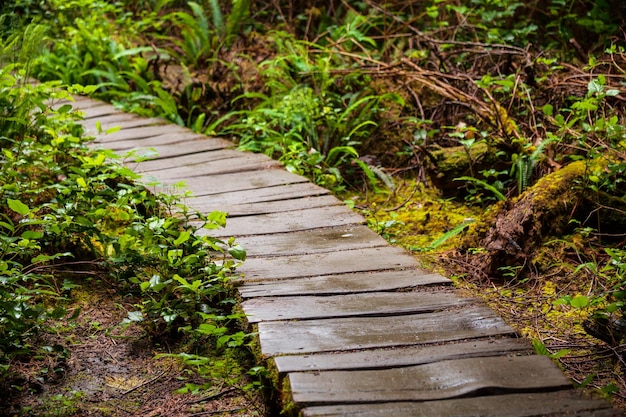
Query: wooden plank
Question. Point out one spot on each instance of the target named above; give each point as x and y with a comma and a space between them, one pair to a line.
263, 194
561, 403
317, 240
112, 120
349, 305
436, 381
248, 209
240, 181
239, 162
104, 109
121, 120
189, 160
77, 102
342, 284
397, 357
341, 334
329, 263
294, 221
142, 132
192, 146
162, 140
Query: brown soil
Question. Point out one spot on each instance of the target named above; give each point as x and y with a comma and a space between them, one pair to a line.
95, 371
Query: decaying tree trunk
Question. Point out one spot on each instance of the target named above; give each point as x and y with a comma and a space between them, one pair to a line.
511, 237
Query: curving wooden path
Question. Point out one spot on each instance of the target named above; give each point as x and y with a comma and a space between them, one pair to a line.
349, 325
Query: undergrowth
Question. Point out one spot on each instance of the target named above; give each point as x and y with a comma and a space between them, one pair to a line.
70, 213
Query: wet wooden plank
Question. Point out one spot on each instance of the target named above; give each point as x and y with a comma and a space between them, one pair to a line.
349, 305
263, 194
240, 181
294, 221
103, 109
162, 140
404, 356
358, 260
342, 284
317, 240
121, 120
116, 119
436, 381
238, 162
342, 334
257, 208
142, 132
561, 403
191, 146
189, 160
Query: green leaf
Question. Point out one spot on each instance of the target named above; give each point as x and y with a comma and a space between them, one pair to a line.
18, 207
580, 301
135, 316
182, 238
540, 348
237, 252
548, 109
31, 234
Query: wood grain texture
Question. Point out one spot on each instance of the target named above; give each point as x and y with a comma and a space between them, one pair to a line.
342, 283
141, 132
324, 335
400, 356
435, 381
349, 305
238, 181
215, 164
295, 221
317, 240
161, 143
262, 194
357, 260
269, 207
562, 403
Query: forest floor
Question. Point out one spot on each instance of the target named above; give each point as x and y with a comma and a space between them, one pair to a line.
99, 371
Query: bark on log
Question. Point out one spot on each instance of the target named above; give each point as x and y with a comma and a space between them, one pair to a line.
519, 226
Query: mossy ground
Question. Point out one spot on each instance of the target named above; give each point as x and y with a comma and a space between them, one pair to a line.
414, 216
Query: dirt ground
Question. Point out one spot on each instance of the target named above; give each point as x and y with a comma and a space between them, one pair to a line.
92, 370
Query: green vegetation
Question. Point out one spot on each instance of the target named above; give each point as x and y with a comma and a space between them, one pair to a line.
74, 218
487, 136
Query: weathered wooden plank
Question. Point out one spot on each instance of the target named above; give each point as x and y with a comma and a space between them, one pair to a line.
162, 140
436, 381
329, 263
103, 109
317, 240
249, 209
349, 305
325, 335
239, 162
189, 160
77, 102
263, 194
403, 356
240, 181
191, 146
142, 132
115, 119
342, 284
133, 124
289, 222
561, 403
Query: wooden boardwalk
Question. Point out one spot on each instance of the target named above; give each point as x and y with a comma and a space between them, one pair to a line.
347, 324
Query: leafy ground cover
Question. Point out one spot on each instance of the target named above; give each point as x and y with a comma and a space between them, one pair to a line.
486, 136
104, 283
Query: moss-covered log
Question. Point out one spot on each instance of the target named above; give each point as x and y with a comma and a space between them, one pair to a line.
510, 237
457, 161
